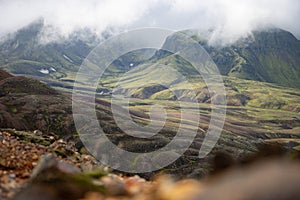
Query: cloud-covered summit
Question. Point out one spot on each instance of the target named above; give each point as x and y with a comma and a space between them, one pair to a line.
230, 19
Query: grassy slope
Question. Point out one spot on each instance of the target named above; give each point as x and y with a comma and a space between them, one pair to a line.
270, 56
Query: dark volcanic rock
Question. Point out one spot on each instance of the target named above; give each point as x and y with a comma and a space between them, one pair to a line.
27, 104
19, 84
4, 75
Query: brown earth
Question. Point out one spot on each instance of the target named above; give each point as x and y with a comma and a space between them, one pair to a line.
27, 104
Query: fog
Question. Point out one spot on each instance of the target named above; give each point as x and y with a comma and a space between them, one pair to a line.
230, 19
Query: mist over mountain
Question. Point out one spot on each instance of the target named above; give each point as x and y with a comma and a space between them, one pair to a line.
268, 56
24, 53
231, 20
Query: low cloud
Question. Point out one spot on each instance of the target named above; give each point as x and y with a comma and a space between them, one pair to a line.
230, 19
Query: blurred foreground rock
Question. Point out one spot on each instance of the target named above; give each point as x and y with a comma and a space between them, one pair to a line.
271, 179
21, 151
34, 166
55, 179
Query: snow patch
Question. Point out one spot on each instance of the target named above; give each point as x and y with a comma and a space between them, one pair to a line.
67, 58
44, 71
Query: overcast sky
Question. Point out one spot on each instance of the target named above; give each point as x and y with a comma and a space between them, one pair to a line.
231, 19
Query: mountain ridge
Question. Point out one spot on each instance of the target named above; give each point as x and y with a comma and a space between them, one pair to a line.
270, 56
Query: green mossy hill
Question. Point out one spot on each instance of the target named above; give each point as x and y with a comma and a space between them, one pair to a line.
26, 52
271, 56
268, 56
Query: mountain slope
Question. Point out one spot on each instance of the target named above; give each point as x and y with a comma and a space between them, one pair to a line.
23, 53
27, 104
269, 56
